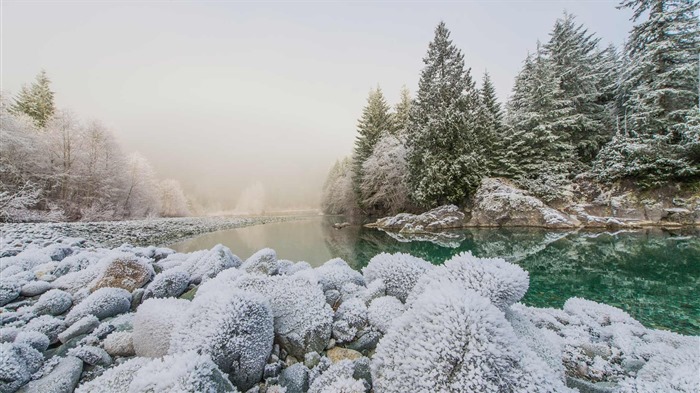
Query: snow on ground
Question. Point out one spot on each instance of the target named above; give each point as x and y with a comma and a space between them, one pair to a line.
77, 315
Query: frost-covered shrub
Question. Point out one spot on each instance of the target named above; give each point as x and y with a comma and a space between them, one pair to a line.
335, 273
669, 371
34, 339
400, 272
170, 283
302, 317
116, 379
183, 372
19, 362
383, 310
208, 264
501, 282
262, 262
103, 303
454, 340
154, 322
350, 317
47, 325
53, 302
234, 327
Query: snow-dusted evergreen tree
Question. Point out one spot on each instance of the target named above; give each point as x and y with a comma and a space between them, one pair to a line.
385, 186
443, 163
402, 111
581, 69
376, 121
36, 101
659, 96
491, 121
537, 155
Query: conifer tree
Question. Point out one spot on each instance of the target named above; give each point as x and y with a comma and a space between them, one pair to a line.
443, 163
401, 111
36, 101
376, 121
491, 121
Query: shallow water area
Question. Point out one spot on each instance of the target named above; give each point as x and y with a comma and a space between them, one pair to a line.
652, 274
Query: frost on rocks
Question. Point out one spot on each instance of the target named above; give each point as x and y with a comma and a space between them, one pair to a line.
53, 302
26, 260
75, 281
154, 322
350, 317
234, 327
225, 279
541, 341
103, 303
84, 325
47, 325
116, 379
34, 339
183, 372
93, 356
383, 310
77, 262
9, 290
302, 317
62, 379
335, 273
262, 262
35, 288
19, 362
170, 283
294, 268
123, 270
338, 378
399, 272
454, 340
501, 282
669, 371
119, 344
207, 264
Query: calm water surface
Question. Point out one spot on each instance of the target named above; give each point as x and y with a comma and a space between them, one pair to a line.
652, 274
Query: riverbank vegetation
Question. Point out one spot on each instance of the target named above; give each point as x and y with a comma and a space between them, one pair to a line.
578, 112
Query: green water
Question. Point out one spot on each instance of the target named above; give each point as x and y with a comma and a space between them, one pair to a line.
652, 274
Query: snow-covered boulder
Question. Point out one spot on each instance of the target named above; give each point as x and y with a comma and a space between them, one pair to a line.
440, 218
183, 372
9, 290
77, 262
501, 282
123, 270
340, 377
119, 344
48, 325
91, 355
34, 339
262, 262
207, 264
53, 302
103, 303
302, 318
335, 273
399, 272
350, 317
34, 288
234, 327
382, 311
454, 340
25, 260
19, 362
116, 379
669, 371
84, 325
154, 322
499, 203
62, 379
170, 283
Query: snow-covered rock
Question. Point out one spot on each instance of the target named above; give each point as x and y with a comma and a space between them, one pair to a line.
669, 371
499, 203
103, 303
183, 372
234, 327
53, 302
91, 355
339, 378
501, 282
207, 264
9, 290
116, 379
350, 317
34, 339
19, 362
333, 274
262, 262
119, 344
123, 270
382, 311
154, 322
84, 325
454, 340
34, 288
440, 218
48, 325
62, 379
399, 272
170, 283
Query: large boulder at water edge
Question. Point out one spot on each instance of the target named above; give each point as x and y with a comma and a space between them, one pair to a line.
440, 218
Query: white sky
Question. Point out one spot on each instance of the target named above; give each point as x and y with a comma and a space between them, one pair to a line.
221, 94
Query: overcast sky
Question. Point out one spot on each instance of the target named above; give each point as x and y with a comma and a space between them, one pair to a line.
222, 94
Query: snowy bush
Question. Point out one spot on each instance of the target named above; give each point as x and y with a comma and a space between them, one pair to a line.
170, 283
208, 264
234, 327
335, 273
154, 322
455, 340
302, 318
501, 282
103, 303
399, 272
382, 311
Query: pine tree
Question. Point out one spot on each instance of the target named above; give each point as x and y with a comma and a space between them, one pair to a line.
491, 122
401, 111
443, 163
581, 69
36, 101
375, 122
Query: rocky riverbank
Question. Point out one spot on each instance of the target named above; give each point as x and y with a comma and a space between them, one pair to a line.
148, 319
499, 203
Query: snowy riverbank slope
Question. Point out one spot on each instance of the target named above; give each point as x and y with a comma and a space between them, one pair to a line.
148, 319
